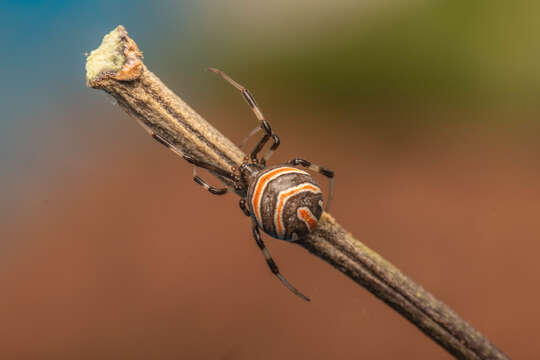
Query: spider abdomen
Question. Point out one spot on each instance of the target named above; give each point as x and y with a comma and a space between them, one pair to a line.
285, 202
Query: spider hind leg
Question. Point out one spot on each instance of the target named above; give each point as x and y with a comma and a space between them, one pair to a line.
272, 265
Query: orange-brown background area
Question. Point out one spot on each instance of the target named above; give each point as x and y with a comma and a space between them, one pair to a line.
427, 113
128, 258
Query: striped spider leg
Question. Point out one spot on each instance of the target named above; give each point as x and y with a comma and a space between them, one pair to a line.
264, 124
253, 132
213, 190
321, 170
271, 264
270, 151
199, 163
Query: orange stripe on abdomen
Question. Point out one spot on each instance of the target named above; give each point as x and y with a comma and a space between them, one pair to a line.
261, 184
307, 217
282, 200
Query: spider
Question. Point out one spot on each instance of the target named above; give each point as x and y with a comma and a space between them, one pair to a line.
282, 200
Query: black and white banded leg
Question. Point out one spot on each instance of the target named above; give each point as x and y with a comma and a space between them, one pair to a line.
270, 151
272, 265
244, 207
265, 125
199, 163
253, 132
272, 148
321, 170
204, 184
193, 161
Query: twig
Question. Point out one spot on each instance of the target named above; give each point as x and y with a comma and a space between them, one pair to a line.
116, 67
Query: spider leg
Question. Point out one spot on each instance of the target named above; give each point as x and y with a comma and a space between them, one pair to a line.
202, 164
204, 184
272, 265
268, 152
160, 139
321, 170
253, 132
265, 125
244, 207
272, 148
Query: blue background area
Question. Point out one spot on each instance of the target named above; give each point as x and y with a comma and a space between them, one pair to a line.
42, 70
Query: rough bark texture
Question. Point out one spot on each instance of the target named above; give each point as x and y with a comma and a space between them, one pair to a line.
342, 250
116, 67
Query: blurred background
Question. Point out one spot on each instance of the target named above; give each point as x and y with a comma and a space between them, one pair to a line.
426, 110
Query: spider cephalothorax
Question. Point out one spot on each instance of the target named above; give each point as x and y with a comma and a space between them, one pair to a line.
283, 200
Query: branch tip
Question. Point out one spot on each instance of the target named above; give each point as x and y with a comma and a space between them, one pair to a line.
117, 57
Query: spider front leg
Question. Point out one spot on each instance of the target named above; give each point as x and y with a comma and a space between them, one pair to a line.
270, 151
265, 125
199, 163
321, 170
204, 184
272, 265
273, 148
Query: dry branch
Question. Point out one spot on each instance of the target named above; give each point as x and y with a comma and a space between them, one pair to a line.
116, 67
